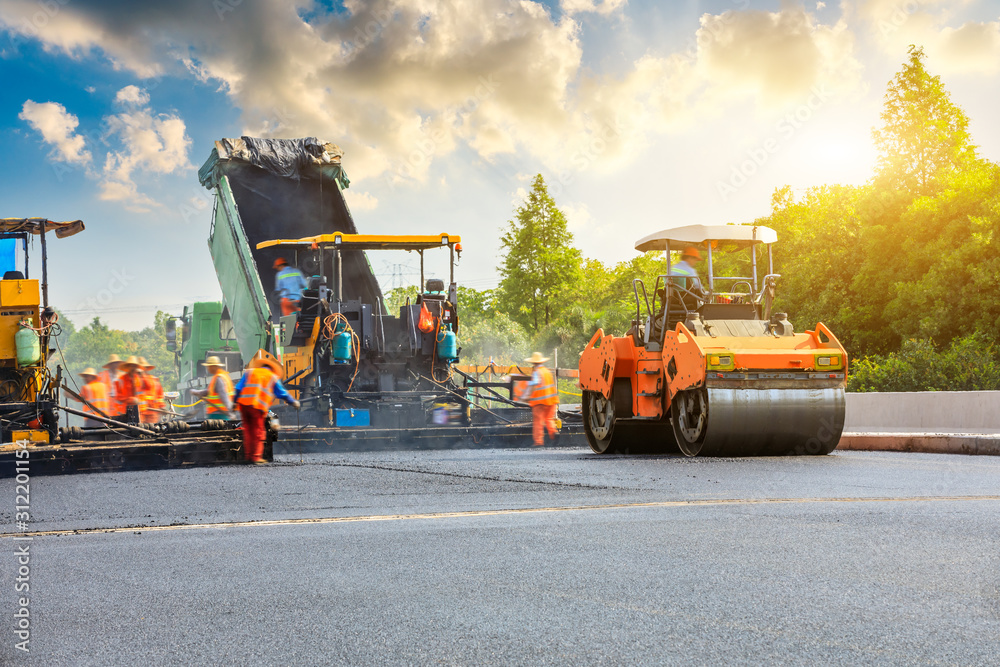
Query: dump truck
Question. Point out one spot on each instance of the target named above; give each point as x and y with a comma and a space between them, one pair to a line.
713, 373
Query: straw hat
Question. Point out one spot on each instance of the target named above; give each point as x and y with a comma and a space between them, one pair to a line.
146, 366
129, 364
87, 371
212, 361
537, 358
113, 359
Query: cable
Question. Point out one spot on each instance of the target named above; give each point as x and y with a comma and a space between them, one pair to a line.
329, 330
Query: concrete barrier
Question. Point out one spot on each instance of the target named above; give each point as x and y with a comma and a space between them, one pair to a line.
945, 422
923, 412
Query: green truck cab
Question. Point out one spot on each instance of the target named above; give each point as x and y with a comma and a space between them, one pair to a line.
204, 329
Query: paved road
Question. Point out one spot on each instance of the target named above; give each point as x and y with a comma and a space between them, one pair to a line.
499, 557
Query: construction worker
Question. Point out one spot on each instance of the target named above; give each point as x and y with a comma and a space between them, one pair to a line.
95, 393
254, 394
154, 394
130, 388
542, 394
109, 376
684, 274
288, 283
218, 394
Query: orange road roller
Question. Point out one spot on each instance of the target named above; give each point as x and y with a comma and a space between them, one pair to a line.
708, 369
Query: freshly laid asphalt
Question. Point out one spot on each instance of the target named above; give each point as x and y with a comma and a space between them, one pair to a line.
514, 557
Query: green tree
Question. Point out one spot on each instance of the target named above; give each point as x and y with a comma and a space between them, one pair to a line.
540, 264
924, 135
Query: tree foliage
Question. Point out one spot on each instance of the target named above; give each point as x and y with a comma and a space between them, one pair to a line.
969, 364
540, 264
93, 344
924, 135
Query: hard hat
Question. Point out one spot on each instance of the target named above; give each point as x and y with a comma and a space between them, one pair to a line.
130, 363
263, 359
691, 251
537, 358
280, 262
212, 361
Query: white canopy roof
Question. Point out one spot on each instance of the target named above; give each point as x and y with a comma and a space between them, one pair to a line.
691, 234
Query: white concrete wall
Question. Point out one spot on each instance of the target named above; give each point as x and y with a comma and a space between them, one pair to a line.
923, 412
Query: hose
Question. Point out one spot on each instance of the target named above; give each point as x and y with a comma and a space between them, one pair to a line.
329, 330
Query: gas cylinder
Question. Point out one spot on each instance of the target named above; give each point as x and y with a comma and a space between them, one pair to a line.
29, 351
447, 344
342, 347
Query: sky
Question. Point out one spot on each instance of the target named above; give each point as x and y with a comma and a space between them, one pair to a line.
639, 114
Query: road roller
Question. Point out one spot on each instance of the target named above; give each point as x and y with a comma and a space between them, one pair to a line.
707, 369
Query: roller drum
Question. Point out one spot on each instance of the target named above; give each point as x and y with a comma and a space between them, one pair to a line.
759, 422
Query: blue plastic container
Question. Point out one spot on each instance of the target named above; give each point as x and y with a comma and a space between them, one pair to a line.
447, 345
342, 348
352, 417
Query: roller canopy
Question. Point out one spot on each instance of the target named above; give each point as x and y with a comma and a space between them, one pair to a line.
742, 235
36, 225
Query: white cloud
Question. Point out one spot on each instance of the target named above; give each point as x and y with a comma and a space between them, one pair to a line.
147, 143
578, 216
971, 48
360, 201
150, 143
406, 82
132, 95
57, 127
604, 7
776, 56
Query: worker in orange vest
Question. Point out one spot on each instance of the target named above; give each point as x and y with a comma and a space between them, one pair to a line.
254, 394
109, 376
154, 394
95, 394
131, 387
542, 394
218, 395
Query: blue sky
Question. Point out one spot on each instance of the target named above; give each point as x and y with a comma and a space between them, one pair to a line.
639, 114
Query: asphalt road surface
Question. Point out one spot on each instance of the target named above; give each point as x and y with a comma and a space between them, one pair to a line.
512, 557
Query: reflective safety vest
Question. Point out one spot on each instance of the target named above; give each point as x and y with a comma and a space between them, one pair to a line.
684, 276
130, 386
112, 393
213, 400
154, 389
258, 392
153, 393
544, 393
97, 395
